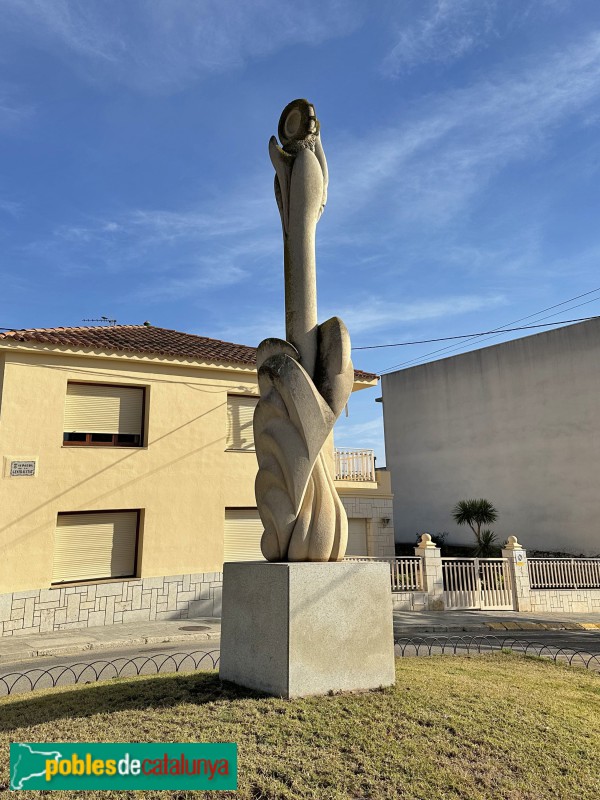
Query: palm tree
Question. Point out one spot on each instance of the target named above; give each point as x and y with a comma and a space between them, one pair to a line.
476, 513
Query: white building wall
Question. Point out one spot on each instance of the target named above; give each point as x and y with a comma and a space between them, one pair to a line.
518, 424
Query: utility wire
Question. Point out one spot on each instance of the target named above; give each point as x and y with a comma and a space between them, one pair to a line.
498, 331
455, 348
467, 335
549, 308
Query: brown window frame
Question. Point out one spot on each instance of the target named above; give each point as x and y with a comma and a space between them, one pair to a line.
88, 441
114, 443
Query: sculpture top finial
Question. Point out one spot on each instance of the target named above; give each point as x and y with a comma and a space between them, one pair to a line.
298, 126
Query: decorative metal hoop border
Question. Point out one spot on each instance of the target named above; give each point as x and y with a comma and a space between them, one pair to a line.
459, 645
102, 669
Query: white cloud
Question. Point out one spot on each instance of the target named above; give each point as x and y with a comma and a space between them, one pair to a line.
239, 215
10, 207
444, 31
257, 324
367, 435
166, 255
371, 314
445, 150
203, 278
12, 112
160, 46
376, 313
80, 26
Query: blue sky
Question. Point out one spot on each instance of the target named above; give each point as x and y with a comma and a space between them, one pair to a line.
461, 136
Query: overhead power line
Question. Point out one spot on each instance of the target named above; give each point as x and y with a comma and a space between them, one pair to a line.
466, 335
497, 332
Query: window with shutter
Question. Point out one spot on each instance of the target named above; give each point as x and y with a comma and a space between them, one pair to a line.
240, 413
95, 545
243, 532
98, 414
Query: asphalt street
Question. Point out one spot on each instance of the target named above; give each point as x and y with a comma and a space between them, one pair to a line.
572, 640
22, 676
89, 667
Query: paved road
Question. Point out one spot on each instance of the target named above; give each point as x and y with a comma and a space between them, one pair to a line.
89, 667
573, 640
547, 643
188, 656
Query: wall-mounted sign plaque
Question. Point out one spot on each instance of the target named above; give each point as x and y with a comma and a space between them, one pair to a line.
22, 469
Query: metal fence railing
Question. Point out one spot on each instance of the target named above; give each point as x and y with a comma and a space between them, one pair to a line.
564, 573
103, 670
406, 573
12, 683
480, 645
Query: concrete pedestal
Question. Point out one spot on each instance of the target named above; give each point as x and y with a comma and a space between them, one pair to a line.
300, 629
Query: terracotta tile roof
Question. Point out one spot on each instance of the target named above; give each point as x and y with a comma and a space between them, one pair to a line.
148, 340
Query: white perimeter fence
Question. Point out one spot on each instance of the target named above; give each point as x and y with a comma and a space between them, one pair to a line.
511, 582
564, 573
407, 573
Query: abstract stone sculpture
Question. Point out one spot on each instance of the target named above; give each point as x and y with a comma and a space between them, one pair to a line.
306, 380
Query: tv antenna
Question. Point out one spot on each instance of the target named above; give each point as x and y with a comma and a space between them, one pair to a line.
105, 320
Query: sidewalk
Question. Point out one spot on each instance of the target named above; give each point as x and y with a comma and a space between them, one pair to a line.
406, 623
109, 637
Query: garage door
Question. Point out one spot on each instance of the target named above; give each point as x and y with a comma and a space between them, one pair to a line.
243, 530
357, 537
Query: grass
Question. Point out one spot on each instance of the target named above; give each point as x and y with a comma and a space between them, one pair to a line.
484, 728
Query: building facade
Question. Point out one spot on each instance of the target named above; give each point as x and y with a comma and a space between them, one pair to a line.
128, 473
518, 424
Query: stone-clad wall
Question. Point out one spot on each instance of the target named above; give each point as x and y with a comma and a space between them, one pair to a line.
131, 600
380, 538
569, 601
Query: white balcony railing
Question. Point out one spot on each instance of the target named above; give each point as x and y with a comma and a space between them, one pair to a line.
354, 465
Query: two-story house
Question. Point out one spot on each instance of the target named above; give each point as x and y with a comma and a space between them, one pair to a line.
128, 471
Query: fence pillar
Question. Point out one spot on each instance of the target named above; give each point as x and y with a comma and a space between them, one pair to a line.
433, 579
519, 574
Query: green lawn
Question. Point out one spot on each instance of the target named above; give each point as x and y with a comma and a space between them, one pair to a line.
497, 726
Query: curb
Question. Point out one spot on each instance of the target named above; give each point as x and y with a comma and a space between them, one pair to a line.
543, 626
500, 626
408, 631
111, 645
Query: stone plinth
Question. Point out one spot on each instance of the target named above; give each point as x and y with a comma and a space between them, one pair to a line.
297, 629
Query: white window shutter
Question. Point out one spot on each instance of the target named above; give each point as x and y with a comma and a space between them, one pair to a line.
95, 408
243, 531
95, 545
